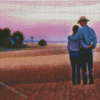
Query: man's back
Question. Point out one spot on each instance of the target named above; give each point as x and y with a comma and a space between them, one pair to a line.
87, 34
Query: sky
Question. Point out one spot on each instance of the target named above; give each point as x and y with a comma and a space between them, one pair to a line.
50, 20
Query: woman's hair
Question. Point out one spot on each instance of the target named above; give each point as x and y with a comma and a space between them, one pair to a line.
75, 28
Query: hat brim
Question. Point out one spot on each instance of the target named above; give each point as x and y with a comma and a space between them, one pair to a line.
83, 20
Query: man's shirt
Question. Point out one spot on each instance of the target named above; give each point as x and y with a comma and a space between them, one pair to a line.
85, 33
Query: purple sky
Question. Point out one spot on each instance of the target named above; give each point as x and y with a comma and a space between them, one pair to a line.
50, 20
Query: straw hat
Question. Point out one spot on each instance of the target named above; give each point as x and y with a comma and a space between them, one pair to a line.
82, 18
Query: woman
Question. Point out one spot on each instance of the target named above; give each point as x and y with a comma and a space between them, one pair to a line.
75, 56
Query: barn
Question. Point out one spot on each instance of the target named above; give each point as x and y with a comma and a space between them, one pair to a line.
11, 42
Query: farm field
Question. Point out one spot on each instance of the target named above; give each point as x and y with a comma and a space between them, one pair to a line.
44, 73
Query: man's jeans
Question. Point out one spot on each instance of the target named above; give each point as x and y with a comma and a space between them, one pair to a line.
75, 60
87, 59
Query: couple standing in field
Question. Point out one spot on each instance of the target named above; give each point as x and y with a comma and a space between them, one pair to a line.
80, 46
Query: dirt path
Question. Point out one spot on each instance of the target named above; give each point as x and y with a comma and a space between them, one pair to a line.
39, 60
52, 91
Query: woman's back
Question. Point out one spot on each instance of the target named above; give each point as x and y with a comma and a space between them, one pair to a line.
74, 46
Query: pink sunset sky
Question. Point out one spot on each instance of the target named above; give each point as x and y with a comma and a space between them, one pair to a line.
50, 20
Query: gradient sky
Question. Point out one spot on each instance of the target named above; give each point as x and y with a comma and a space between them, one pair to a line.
50, 20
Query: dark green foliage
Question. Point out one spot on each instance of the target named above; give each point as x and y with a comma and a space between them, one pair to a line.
42, 42
4, 33
20, 35
1, 40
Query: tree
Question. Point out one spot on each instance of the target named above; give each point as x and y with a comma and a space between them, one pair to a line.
32, 39
4, 33
1, 40
20, 35
42, 42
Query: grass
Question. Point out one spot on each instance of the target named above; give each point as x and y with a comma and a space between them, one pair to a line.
44, 73
47, 82
32, 74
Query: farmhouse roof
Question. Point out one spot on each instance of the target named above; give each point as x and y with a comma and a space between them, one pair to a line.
11, 40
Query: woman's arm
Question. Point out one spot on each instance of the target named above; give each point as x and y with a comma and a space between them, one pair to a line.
83, 45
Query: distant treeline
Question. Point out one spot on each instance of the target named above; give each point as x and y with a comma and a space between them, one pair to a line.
36, 41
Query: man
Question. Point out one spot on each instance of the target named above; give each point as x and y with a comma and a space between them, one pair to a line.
88, 35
